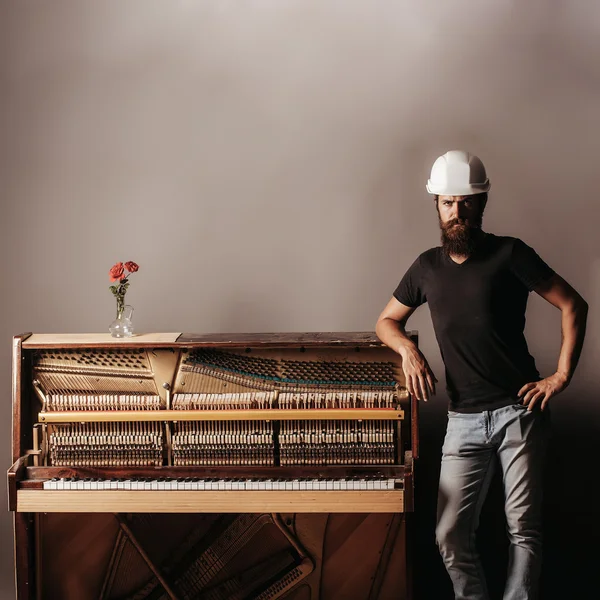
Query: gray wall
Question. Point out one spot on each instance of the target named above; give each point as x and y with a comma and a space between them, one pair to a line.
264, 162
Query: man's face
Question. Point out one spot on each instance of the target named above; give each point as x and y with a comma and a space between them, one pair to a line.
460, 218
459, 210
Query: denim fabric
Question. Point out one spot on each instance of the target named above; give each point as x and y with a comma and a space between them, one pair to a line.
518, 438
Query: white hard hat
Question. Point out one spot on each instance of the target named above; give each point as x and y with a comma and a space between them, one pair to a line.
458, 173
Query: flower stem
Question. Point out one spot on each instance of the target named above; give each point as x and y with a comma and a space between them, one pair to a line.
120, 305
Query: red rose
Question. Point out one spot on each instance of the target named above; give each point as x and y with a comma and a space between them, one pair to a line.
131, 266
116, 271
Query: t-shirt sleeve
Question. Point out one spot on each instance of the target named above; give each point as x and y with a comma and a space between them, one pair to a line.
410, 289
527, 266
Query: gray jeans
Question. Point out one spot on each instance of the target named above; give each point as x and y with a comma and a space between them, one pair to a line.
518, 438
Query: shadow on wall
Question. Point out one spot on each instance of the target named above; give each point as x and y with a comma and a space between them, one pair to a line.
572, 494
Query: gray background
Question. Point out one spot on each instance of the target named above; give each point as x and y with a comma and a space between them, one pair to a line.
264, 162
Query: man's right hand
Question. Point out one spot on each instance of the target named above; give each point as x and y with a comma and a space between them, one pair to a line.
420, 380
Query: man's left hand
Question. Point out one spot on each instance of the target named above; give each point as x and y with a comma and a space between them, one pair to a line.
543, 390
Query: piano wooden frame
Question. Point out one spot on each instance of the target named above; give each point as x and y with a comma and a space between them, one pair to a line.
27, 498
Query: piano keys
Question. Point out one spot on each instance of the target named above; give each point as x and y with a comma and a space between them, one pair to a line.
225, 484
294, 427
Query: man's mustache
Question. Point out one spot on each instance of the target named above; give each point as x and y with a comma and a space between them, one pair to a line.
453, 222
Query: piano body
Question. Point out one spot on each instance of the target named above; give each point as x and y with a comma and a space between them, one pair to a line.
218, 467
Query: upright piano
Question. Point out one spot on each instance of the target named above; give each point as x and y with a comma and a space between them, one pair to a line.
217, 467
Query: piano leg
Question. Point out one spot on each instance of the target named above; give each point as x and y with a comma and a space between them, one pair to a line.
24, 527
409, 528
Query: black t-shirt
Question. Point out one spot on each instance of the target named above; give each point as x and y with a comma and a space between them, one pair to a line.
478, 313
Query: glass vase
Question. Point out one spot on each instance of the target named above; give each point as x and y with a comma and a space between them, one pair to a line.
122, 326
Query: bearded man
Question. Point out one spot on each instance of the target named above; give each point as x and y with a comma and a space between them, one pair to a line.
477, 285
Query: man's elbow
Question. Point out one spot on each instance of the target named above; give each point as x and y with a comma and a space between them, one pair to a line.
578, 304
380, 326
583, 306
383, 325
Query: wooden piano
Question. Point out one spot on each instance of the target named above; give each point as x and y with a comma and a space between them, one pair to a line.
217, 467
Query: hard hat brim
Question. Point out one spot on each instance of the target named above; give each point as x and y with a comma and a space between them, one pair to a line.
443, 190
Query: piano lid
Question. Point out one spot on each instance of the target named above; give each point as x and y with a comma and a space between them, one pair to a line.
256, 340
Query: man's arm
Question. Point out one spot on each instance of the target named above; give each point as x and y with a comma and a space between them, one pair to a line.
574, 311
390, 329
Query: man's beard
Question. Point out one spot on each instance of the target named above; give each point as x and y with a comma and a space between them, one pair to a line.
460, 236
